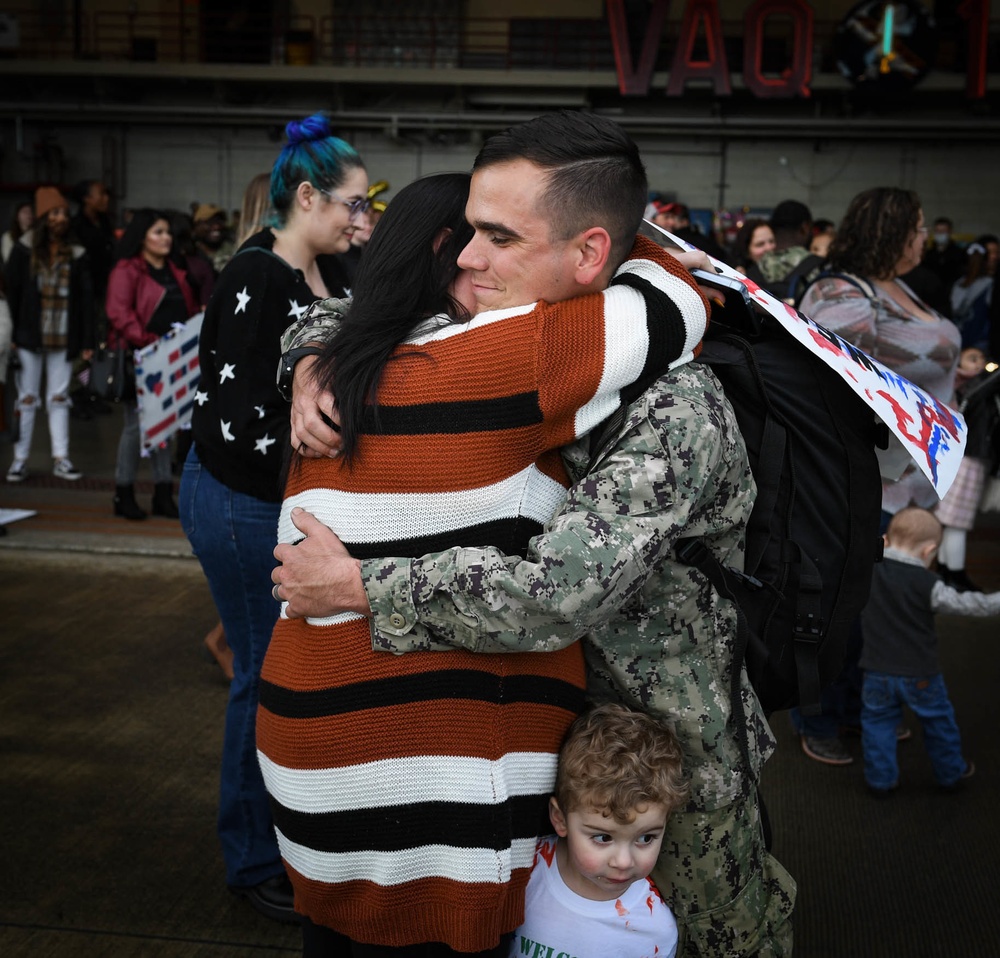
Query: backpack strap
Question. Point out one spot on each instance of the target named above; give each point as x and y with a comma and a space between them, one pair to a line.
601, 435
807, 631
804, 580
692, 551
855, 281
770, 461
799, 277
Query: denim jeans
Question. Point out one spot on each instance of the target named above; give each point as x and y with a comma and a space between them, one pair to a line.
883, 697
233, 536
58, 370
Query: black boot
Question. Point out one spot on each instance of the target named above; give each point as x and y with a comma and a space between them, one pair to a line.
163, 500
125, 504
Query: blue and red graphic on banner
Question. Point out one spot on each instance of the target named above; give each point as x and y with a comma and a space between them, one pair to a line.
167, 375
931, 434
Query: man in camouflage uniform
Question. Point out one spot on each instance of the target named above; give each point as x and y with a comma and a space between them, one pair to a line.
789, 268
656, 635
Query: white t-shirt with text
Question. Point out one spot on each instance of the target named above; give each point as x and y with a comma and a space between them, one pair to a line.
559, 923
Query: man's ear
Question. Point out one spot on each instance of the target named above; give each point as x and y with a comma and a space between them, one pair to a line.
557, 818
594, 246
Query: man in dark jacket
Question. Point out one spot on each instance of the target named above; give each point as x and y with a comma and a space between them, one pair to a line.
91, 228
786, 270
944, 257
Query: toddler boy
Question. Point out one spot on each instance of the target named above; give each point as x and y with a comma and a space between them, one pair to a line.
589, 894
900, 653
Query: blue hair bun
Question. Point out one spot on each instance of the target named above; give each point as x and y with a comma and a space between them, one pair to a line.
315, 127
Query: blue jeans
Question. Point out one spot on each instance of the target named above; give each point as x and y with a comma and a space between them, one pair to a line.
233, 536
882, 698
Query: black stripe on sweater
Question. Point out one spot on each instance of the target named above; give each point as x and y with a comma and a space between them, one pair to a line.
667, 333
481, 415
510, 536
397, 827
423, 687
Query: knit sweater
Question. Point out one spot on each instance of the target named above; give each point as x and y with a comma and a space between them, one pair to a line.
408, 791
240, 421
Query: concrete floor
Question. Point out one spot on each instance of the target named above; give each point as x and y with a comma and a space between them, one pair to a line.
111, 724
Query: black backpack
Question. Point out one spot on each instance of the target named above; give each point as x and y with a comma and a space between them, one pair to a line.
813, 536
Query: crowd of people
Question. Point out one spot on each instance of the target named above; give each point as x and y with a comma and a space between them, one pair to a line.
477, 703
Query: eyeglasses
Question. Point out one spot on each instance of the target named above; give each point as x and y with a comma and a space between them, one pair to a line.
923, 229
354, 207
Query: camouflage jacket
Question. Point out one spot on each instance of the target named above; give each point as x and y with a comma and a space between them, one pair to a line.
655, 633
316, 325
778, 263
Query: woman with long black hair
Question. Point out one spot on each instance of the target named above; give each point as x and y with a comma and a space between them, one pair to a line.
147, 295
408, 791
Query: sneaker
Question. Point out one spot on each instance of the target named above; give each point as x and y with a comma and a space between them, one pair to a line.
64, 469
18, 471
829, 751
970, 770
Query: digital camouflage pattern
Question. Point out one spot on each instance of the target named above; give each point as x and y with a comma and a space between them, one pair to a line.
776, 264
656, 635
317, 324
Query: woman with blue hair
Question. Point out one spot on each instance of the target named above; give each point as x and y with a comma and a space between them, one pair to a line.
231, 487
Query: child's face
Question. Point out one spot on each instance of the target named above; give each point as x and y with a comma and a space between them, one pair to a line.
972, 362
600, 857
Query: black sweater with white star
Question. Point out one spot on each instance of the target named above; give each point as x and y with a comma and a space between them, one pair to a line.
240, 421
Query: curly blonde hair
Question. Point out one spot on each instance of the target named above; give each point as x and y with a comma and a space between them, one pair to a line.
617, 760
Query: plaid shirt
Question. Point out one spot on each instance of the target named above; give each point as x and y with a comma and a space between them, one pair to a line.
53, 288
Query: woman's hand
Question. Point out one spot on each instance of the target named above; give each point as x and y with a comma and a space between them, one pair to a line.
312, 436
698, 259
693, 259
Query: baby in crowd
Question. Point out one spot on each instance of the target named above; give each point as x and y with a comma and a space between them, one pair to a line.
589, 895
900, 654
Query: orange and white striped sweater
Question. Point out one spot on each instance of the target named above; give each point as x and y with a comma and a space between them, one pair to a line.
408, 791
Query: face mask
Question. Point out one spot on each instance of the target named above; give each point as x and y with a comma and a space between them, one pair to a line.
942, 239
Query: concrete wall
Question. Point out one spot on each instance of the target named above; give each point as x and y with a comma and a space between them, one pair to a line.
172, 167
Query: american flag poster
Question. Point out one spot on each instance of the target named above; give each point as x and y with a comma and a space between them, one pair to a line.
166, 377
